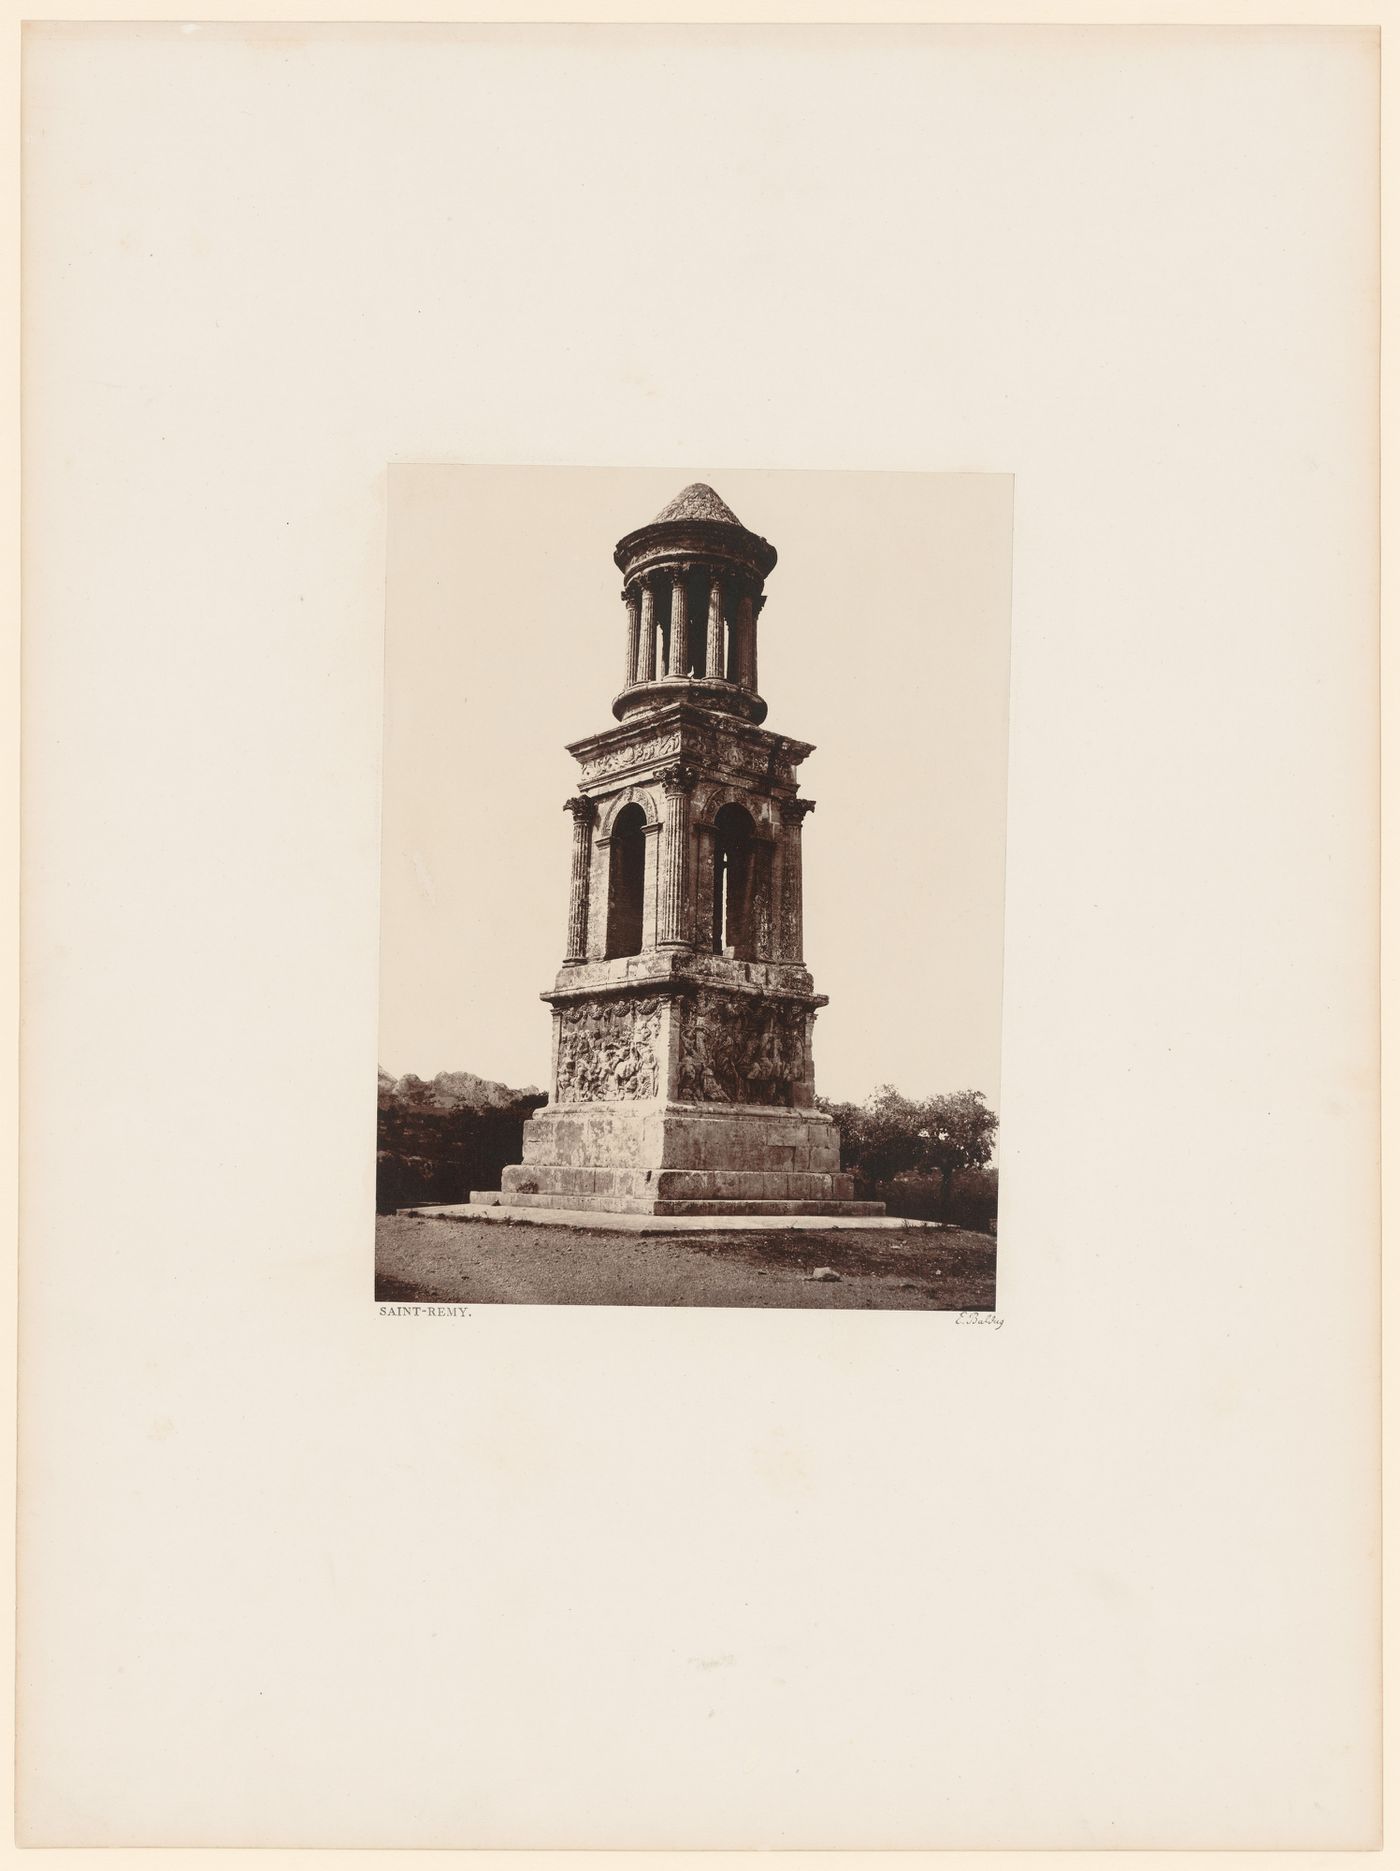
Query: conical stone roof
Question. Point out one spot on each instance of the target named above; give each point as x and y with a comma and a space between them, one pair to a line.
698, 523
697, 502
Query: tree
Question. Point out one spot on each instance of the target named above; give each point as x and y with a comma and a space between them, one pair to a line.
957, 1132
880, 1138
891, 1135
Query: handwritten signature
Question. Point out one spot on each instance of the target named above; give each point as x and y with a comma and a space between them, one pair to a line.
993, 1319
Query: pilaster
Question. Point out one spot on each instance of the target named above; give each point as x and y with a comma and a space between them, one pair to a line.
651, 885
674, 921
598, 898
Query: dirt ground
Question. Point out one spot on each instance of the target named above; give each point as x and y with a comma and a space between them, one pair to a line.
435, 1260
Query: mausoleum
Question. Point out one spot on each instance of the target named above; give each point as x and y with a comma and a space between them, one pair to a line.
682, 1079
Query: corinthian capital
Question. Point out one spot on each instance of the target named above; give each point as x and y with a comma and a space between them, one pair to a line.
679, 778
795, 810
584, 810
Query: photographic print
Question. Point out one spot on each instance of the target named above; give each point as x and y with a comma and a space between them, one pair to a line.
671, 1126
524, 589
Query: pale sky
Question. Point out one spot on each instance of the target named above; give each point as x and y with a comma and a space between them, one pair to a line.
884, 641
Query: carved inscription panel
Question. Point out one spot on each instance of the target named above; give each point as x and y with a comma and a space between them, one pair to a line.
608, 1049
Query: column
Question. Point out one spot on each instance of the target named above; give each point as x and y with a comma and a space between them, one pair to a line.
790, 937
584, 812
680, 623
634, 634
677, 782
646, 661
745, 657
714, 634
703, 895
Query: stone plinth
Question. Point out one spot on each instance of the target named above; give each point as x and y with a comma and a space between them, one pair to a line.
675, 1159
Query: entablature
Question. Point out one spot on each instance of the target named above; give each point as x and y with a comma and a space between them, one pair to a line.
720, 748
681, 971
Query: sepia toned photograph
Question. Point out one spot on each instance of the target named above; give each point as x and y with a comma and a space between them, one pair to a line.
639, 1052
778, 623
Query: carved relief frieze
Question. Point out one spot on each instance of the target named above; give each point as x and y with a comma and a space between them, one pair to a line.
608, 1049
709, 744
639, 754
741, 1050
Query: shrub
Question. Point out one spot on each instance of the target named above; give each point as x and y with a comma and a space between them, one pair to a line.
930, 1152
971, 1202
434, 1155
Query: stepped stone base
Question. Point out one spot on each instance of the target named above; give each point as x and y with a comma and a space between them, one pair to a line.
493, 1209
662, 1205
659, 1158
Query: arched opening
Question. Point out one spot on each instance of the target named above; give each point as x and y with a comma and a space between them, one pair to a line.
627, 860
734, 869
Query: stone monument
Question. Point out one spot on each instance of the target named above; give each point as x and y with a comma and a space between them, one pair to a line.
682, 1060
